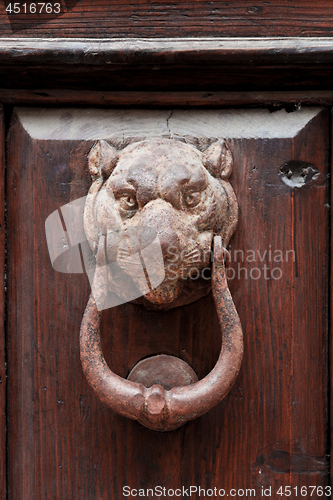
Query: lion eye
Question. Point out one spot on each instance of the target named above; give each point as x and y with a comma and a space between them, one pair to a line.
192, 199
128, 202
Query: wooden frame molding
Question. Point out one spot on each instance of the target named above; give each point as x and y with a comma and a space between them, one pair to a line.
152, 50
214, 64
70, 97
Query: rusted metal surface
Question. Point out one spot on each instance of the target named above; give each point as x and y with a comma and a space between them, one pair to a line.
182, 194
175, 190
155, 407
167, 371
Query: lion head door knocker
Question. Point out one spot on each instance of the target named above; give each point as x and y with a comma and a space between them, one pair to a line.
149, 205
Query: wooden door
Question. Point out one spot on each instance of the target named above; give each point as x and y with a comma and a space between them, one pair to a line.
272, 429
2, 312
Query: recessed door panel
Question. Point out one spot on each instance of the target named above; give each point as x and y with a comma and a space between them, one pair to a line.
271, 430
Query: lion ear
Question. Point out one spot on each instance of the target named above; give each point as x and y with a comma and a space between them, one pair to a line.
102, 160
218, 160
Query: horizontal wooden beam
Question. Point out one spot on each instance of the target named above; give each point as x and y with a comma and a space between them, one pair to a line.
172, 64
69, 97
167, 51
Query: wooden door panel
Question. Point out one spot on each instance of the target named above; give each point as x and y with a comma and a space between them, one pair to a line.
2, 312
272, 429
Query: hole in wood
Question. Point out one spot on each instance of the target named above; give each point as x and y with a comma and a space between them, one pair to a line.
297, 173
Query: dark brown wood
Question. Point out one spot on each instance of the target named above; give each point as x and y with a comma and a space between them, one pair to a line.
2, 313
175, 64
331, 323
176, 18
67, 97
272, 429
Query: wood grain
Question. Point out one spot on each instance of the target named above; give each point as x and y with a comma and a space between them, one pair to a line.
176, 18
2, 313
331, 323
272, 429
170, 64
67, 97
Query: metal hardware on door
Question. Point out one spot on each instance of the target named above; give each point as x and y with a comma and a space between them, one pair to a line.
155, 211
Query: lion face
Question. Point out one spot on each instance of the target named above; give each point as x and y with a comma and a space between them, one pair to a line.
177, 191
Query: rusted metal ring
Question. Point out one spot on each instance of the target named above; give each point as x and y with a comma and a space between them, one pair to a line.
155, 407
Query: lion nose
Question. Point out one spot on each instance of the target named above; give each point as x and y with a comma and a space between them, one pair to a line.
163, 218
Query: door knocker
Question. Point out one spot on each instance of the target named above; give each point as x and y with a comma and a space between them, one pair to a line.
154, 209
